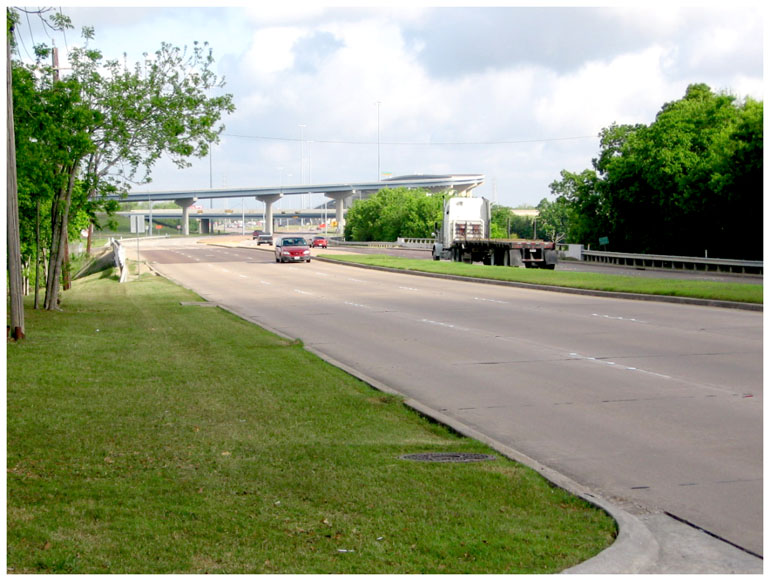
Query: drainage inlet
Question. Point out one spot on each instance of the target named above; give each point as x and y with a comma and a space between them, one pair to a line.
448, 457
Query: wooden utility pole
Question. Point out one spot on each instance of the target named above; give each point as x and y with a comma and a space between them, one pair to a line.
16, 323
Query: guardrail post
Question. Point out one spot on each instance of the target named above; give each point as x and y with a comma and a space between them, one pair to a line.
119, 254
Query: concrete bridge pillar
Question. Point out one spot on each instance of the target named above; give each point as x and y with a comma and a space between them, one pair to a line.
339, 198
185, 204
269, 200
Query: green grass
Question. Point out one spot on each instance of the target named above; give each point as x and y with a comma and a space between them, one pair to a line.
144, 436
738, 292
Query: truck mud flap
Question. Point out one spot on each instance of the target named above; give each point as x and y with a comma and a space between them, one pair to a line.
515, 258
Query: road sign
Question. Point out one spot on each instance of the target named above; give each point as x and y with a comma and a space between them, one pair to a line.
137, 223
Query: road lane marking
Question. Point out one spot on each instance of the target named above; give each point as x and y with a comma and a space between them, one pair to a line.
617, 365
446, 325
357, 305
617, 318
491, 301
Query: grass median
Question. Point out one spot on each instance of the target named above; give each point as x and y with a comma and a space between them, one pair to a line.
149, 436
701, 289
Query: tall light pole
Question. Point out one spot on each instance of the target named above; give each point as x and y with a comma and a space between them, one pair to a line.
302, 159
378, 140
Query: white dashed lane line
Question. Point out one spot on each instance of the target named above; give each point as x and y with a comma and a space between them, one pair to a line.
616, 365
491, 301
617, 318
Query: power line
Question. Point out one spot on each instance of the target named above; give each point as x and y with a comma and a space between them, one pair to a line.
351, 142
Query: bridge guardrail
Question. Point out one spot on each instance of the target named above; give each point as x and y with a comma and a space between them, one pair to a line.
674, 262
416, 243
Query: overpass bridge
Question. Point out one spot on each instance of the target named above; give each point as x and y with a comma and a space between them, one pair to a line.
207, 216
459, 184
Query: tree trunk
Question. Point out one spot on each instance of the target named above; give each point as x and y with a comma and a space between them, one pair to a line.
37, 254
66, 278
16, 326
60, 219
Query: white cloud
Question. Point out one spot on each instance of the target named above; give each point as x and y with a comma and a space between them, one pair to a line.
440, 76
628, 89
271, 50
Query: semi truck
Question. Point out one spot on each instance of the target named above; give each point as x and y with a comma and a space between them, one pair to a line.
464, 236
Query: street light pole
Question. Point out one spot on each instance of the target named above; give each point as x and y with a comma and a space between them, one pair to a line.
302, 159
378, 140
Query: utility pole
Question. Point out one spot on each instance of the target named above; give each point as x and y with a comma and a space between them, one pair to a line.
16, 304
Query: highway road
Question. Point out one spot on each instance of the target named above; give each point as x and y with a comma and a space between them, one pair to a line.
656, 407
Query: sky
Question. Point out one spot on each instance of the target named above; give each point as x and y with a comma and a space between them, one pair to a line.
515, 92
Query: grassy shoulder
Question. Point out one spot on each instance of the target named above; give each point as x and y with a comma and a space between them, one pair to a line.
748, 293
148, 436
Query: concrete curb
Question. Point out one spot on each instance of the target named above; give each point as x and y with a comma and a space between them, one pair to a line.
635, 549
560, 289
543, 287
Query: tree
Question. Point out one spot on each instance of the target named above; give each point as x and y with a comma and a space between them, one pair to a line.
505, 223
161, 107
690, 180
103, 127
588, 214
553, 219
393, 213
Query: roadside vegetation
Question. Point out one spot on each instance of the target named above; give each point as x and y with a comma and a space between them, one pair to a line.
146, 435
80, 135
748, 293
687, 184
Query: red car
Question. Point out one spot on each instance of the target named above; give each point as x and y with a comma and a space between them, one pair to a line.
320, 242
292, 249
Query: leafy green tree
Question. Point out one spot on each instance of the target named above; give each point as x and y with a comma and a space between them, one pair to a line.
392, 213
553, 219
500, 226
505, 223
103, 127
689, 181
588, 214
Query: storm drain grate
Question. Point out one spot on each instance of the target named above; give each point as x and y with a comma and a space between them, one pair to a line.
448, 457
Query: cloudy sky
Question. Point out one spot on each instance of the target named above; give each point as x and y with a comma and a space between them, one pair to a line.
517, 93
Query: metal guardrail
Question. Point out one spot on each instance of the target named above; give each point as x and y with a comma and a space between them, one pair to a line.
337, 242
414, 243
674, 262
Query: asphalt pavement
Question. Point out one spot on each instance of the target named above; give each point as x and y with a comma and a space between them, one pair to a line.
650, 540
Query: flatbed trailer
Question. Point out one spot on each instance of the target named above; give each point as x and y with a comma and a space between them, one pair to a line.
505, 252
463, 236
